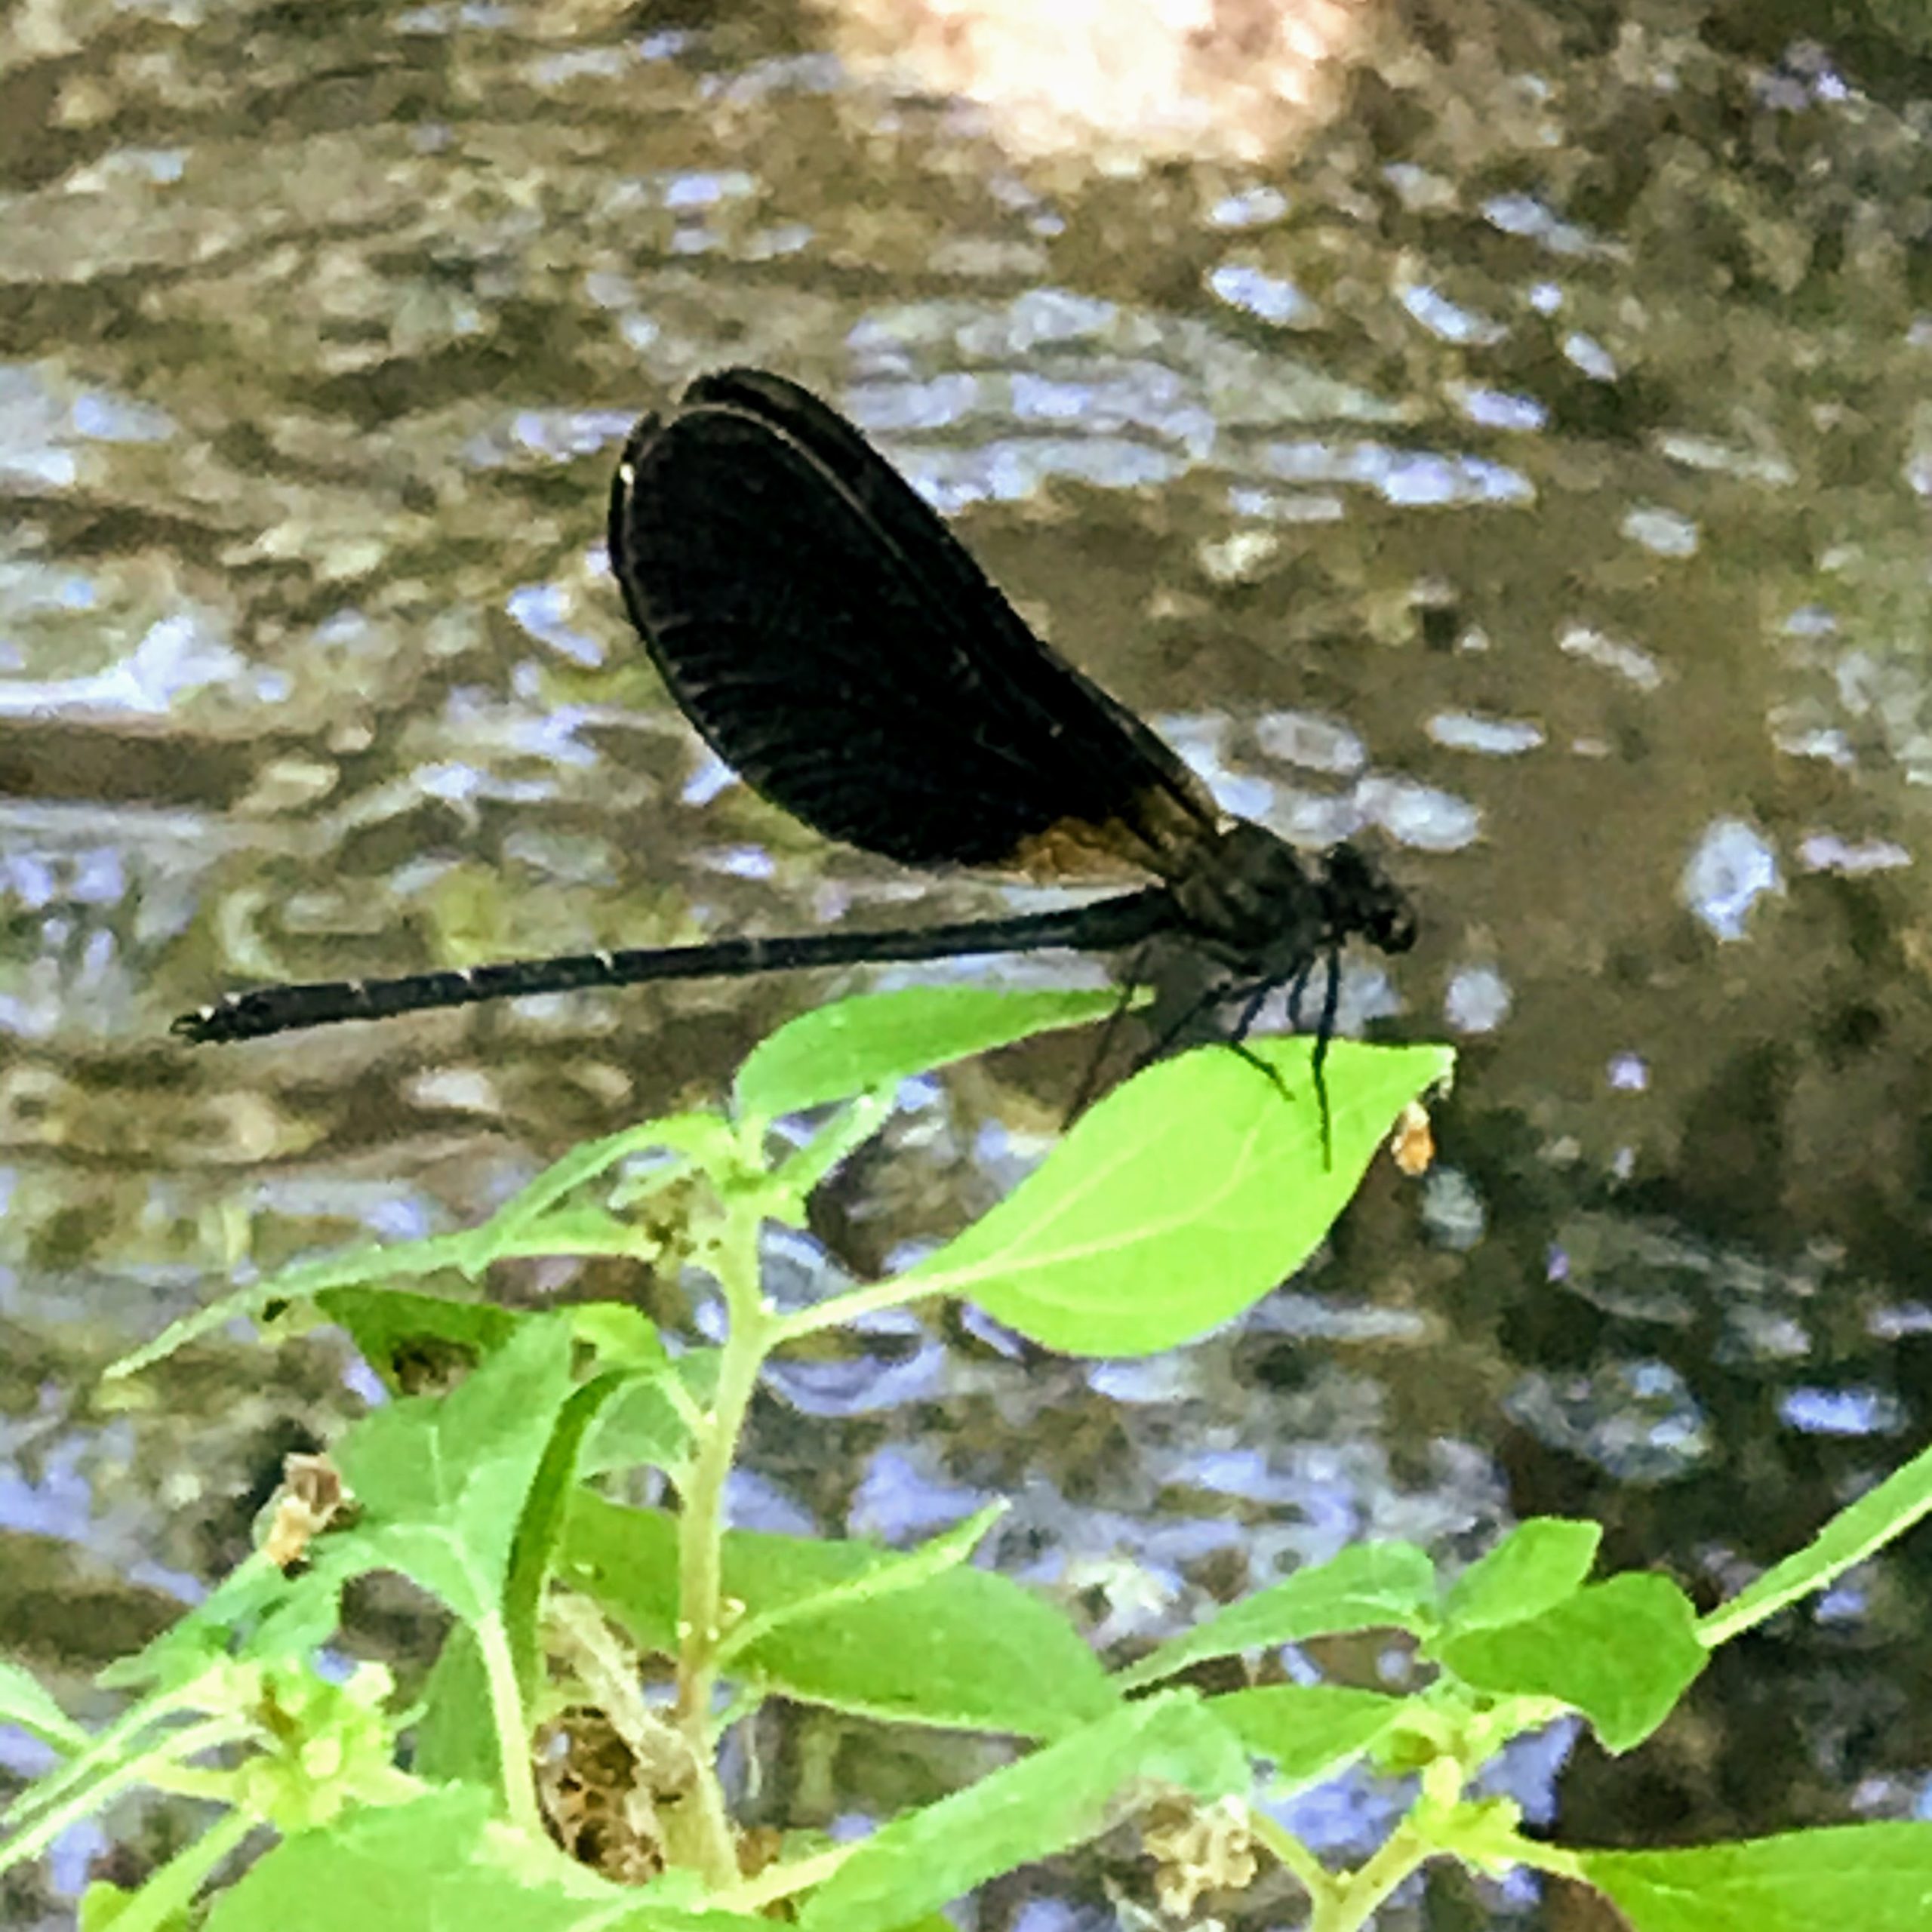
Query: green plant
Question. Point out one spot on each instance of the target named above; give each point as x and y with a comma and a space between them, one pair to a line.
1176, 1203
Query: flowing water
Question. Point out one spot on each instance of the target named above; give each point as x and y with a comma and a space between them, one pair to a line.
1498, 433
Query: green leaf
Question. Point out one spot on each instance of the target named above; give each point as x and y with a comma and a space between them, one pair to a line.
640, 1428
1622, 1653
142, 1746
967, 1648
398, 1330
162, 1903
1369, 1586
1534, 1567
578, 1227
541, 1527
626, 1559
931, 1560
455, 1734
536, 1221
879, 1039
531, 1222
1876, 1518
304, 1281
1060, 1796
1875, 1877
22, 1702
102, 1906
537, 1207
442, 1480
1183, 1199
1311, 1731
620, 1336
645, 1425
439, 1863
832, 1143
254, 1612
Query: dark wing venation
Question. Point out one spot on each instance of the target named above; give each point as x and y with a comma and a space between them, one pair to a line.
834, 642
1031, 677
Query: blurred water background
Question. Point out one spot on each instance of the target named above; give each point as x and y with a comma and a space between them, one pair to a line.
1498, 431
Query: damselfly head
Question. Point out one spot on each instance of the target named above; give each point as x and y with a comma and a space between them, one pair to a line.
1361, 900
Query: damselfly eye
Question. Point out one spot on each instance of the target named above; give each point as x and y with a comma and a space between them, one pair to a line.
1363, 899
1395, 930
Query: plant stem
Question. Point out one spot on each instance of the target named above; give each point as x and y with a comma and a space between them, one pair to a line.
151, 1765
712, 1848
842, 1311
1557, 1860
781, 1881
1291, 1854
1352, 1904
164, 1900
506, 1711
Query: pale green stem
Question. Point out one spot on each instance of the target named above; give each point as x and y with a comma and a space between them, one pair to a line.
841, 1311
701, 1534
780, 1881
118, 1745
164, 1900
1291, 1854
512, 1724
1554, 1859
1351, 1905
149, 1766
